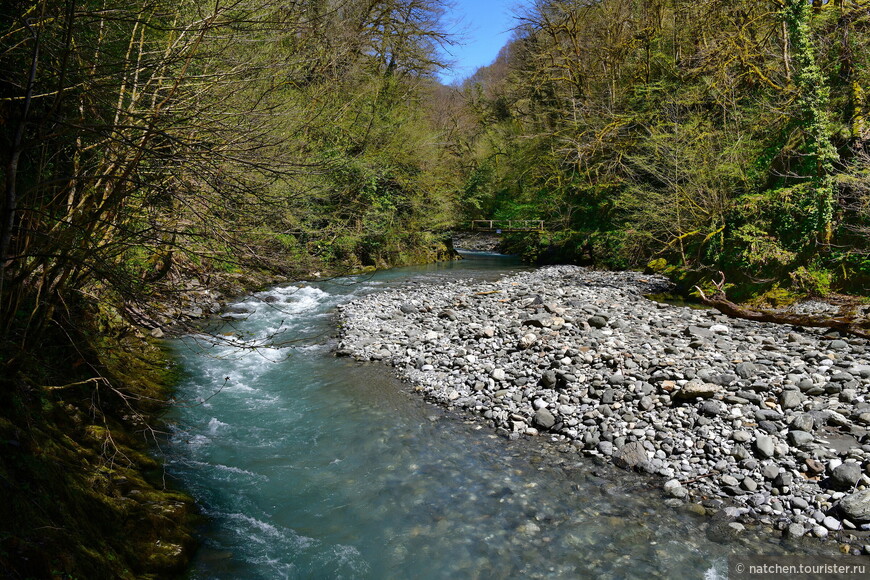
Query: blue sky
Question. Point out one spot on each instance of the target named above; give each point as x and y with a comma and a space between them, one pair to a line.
485, 26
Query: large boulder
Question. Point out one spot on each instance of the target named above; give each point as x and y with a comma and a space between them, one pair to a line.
844, 476
856, 507
630, 456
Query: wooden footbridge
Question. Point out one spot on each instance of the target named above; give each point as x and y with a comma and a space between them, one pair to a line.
505, 226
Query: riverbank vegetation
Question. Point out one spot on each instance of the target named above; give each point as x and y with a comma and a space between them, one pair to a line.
144, 144
690, 136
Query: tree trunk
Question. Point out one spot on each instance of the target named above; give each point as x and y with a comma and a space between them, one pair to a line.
846, 320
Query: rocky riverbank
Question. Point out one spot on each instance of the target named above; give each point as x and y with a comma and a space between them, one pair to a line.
764, 423
476, 241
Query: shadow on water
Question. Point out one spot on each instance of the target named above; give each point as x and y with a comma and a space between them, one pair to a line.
311, 466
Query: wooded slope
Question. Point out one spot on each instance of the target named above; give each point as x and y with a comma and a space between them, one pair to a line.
703, 135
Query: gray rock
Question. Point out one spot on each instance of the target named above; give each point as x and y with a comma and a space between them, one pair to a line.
856, 506
486, 332
544, 418
726, 379
594, 385
764, 446
528, 340
646, 403
799, 438
803, 422
630, 456
799, 503
239, 309
605, 447
832, 523
616, 379
712, 408
805, 384
448, 314
539, 321
845, 476
597, 321
729, 480
675, 489
770, 471
767, 415
548, 379
838, 345
698, 332
721, 531
795, 531
741, 436
745, 370
791, 399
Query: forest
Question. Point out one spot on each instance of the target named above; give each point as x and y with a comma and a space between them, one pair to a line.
691, 137
147, 143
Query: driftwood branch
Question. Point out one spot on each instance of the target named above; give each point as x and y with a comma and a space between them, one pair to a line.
846, 320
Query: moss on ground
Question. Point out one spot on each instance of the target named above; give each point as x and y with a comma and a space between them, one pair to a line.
82, 497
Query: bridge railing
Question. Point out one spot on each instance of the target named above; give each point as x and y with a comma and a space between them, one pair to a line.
507, 225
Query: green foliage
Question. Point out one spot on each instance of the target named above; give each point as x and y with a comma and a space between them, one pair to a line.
811, 282
657, 266
715, 136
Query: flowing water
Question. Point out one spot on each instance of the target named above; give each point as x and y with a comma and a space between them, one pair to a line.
311, 466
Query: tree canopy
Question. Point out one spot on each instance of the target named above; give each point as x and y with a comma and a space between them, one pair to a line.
701, 135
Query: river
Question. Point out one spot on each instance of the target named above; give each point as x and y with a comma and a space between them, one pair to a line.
311, 466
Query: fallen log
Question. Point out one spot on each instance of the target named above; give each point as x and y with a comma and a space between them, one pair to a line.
846, 320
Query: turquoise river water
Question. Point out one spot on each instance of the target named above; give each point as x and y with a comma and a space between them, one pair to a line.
311, 466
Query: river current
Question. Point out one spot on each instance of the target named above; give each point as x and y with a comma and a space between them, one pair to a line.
310, 466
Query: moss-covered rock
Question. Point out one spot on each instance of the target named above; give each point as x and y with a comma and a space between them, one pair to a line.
80, 500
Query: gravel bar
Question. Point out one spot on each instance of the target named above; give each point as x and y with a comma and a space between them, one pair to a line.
770, 421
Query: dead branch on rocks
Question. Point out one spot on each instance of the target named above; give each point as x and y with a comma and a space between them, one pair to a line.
846, 320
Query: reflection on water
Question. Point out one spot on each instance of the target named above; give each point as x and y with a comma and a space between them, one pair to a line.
311, 466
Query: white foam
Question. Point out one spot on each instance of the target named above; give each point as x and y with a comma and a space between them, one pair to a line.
288, 300
249, 528
197, 441
263, 402
313, 347
214, 425
714, 573
350, 557
265, 528
230, 469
